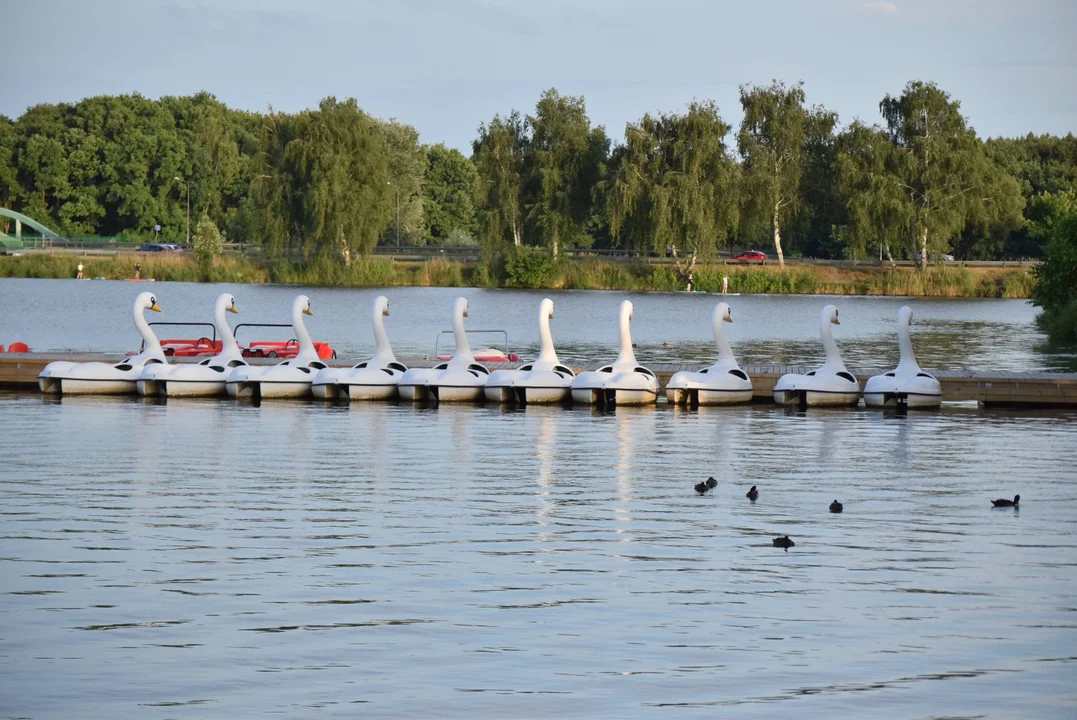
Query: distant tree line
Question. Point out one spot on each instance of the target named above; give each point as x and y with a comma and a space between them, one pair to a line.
328, 184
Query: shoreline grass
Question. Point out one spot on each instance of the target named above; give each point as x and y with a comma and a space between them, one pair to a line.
943, 281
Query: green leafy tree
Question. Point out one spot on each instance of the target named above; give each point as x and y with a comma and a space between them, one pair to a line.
993, 211
9, 182
499, 154
567, 162
822, 206
449, 192
871, 189
207, 241
939, 162
1044, 166
1056, 291
322, 189
673, 183
772, 141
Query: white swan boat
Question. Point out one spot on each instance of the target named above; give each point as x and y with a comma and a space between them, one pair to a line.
719, 384
544, 381
832, 384
906, 385
461, 379
624, 382
373, 379
288, 379
206, 378
98, 378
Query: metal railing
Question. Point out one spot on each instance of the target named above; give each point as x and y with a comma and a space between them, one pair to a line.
503, 333
114, 245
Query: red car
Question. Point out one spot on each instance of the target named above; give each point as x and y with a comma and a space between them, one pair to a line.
751, 256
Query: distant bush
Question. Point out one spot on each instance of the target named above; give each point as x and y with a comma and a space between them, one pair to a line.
529, 267
207, 241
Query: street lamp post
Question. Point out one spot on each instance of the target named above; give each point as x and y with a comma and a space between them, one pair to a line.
397, 212
188, 206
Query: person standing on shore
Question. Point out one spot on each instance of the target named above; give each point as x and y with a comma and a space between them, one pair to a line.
79, 275
725, 284
138, 271
689, 288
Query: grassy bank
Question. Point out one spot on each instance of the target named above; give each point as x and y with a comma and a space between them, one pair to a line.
945, 281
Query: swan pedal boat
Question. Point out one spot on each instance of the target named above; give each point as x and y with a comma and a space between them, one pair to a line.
373, 379
722, 383
207, 378
830, 385
461, 379
907, 385
98, 378
625, 382
288, 379
545, 381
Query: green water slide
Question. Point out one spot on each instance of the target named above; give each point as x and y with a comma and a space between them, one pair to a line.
14, 243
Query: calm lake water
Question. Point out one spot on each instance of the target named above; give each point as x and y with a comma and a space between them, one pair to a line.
208, 559
213, 559
987, 334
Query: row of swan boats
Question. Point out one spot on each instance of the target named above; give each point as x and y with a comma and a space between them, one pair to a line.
545, 380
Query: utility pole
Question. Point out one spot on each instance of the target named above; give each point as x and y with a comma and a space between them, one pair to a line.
188, 207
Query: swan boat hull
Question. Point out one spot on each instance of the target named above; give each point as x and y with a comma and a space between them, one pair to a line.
623, 388
816, 397
79, 379
527, 394
363, 383
714, 386
267, 389
177, 387
184, 381
90, 386
884, 391
613, 396
529, 387
457, 393
345, 389
414, 385
707, 396
922, 401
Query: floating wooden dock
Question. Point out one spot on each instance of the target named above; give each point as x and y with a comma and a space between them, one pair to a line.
18, 371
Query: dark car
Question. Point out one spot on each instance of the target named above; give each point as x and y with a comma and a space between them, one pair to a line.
751, 256
153, 247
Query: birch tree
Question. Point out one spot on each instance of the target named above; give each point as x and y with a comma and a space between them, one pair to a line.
498, 154
567, 161
938, 161
772, 143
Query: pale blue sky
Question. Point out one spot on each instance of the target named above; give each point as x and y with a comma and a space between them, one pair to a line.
444, 67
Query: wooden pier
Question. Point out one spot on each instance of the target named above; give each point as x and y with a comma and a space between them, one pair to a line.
18, 371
